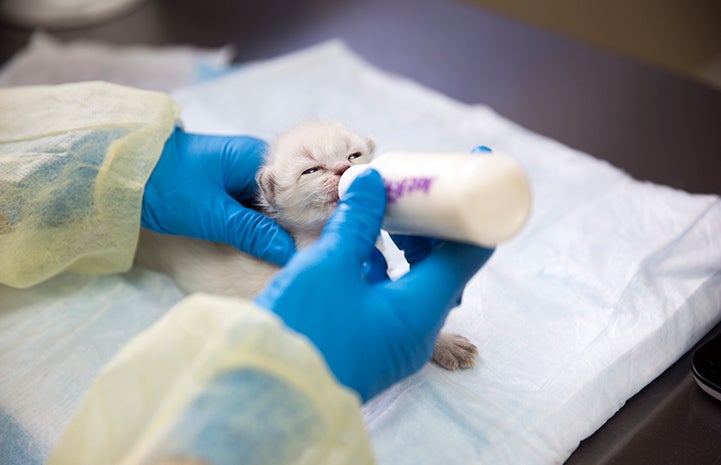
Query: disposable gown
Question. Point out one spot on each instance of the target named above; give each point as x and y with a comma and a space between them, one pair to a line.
217, 380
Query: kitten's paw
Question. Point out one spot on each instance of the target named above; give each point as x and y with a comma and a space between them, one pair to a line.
453, 351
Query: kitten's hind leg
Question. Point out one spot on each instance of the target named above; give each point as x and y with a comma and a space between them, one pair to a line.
453, 351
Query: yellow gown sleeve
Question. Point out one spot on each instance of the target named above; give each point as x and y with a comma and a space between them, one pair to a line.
216, 381
74, 160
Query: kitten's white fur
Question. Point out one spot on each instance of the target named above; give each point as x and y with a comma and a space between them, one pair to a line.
299, 189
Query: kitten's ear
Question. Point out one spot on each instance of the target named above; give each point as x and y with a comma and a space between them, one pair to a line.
267, 184
371, 144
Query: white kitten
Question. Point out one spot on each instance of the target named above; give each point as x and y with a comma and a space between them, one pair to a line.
299, 181
299, 189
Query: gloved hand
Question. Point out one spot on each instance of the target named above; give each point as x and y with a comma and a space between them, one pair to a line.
372, 332
199, 188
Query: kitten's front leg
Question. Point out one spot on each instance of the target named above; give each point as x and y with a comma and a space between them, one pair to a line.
453, 351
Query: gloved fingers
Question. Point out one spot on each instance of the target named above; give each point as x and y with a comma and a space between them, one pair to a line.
375, 268
239, 158
434, 285
355, 225
251, 232
242, 158
415, 248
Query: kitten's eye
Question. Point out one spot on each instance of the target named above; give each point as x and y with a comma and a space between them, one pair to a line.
355, 155
311, 170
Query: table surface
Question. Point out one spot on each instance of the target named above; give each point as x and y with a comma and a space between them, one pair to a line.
655, 125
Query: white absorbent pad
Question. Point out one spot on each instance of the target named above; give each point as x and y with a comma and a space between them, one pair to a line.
48, 61
611, 281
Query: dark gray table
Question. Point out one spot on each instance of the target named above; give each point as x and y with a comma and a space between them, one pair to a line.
655, 125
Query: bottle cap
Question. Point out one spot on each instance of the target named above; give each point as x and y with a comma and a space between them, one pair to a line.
347, 178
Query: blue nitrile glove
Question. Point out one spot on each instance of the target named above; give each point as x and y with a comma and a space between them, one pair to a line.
372, 332
199, 188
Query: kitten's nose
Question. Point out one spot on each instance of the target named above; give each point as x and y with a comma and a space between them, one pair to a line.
340, 168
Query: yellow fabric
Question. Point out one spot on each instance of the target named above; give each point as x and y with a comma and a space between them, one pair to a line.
74, 160
144, 390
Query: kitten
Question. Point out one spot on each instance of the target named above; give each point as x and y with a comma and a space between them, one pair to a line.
299, 189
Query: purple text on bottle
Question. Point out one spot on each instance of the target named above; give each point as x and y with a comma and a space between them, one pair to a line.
402, 187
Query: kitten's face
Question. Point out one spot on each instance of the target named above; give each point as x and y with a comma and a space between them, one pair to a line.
300, 178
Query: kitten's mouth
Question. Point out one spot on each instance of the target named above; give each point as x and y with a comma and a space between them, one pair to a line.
326, 202
331, 195
332, 201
